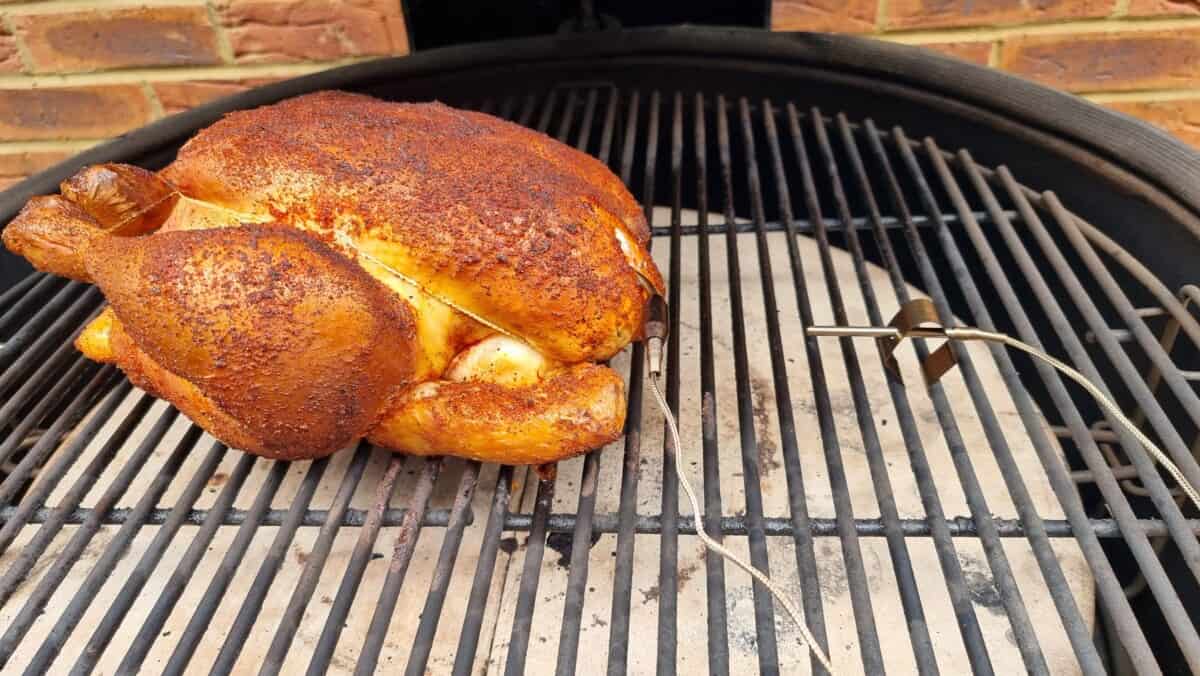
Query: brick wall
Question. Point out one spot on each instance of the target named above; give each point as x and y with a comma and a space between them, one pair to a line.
73, 73
1141, 57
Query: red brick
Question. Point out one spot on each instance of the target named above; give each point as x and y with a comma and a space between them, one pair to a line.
1181, 118
912, 14
15, 167
974, 52
19, 165
179, 96
316, 30
119, 38
10, 61
1164, 7
851, 16
71, 112
1107, 61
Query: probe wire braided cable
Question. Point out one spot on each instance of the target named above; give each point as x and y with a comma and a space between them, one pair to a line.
654, 359
909, 324
676, 448
1107, 404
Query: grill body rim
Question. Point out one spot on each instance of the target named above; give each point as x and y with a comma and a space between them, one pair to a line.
152, 144
1144, 151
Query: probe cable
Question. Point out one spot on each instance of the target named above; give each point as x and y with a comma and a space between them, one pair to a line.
675, 448
912, 321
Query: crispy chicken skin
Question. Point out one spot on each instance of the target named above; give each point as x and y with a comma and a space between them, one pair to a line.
335, 267
507, 223
524, 424
264, 320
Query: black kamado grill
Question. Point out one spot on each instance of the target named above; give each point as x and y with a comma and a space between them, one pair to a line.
993, 522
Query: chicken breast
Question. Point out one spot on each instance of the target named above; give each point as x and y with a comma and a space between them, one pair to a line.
503, 222
334, 266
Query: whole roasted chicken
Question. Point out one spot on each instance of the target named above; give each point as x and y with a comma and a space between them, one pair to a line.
335, 267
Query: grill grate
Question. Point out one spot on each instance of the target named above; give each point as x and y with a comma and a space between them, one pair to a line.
112, 504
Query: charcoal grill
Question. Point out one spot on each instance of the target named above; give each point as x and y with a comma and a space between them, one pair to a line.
991, 522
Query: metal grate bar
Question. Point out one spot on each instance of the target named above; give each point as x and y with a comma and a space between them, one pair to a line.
468, 638
618, 638
964, 610
1056, 581
1146, 401
96, 379
215, 592
527, 110
764, 617
173, 589
910, 596
14, 315
1027, 640
1068, 496
668, 581
864, 616
565, 123
667, 639
46, 370
36, 546
289, 623
451, 543
71, 553
28, 356
21, 429
406, 544
33, 338
536, 544
63, 461
327, 643
1160, 586
21, 289
1077, 630
51, 368
718, 630
1168, 371
957, 526
141, 574
251, 605
53, 642
809, 226
568, 643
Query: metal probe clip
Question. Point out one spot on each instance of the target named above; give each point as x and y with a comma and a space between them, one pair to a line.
917, 318
654, 330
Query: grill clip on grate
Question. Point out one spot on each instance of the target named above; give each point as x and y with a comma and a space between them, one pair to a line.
918, 319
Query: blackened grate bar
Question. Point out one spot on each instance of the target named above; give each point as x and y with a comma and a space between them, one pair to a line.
909, 595
128, 535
